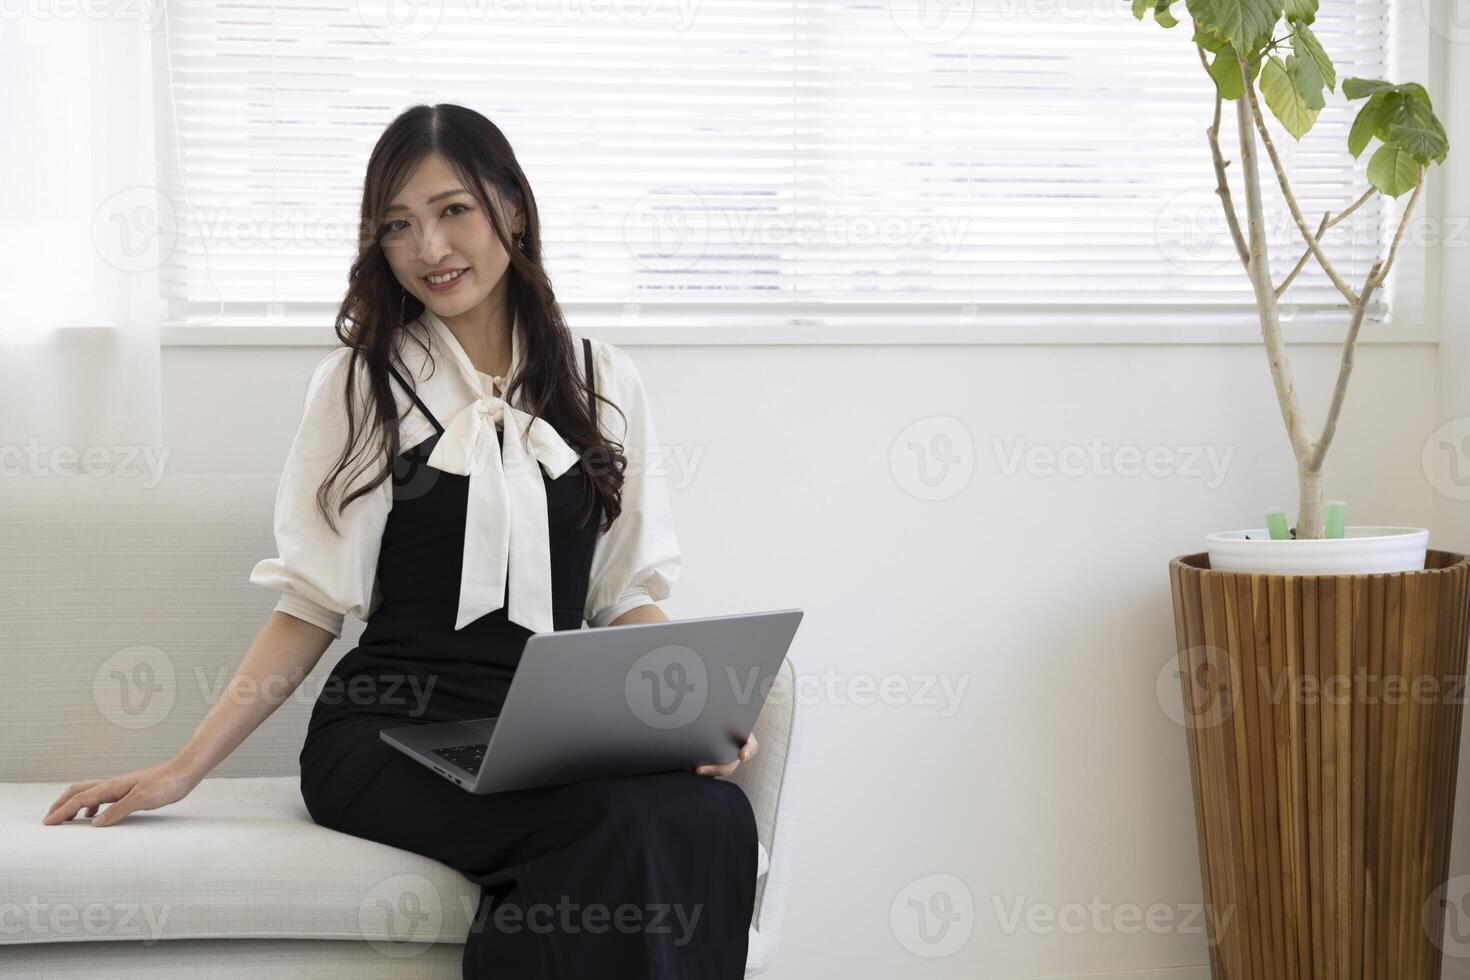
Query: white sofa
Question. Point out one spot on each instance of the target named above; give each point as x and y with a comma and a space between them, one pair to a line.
126, 609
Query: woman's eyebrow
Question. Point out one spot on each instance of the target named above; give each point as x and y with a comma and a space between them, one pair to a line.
404, 207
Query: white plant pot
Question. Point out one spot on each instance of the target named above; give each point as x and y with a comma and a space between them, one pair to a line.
1364, 551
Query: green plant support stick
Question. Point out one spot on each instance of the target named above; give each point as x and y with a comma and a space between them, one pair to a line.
1276, 524
1335, 524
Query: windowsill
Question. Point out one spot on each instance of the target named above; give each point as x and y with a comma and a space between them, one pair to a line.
1023, 329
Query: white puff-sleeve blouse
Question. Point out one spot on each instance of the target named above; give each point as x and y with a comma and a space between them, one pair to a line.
323, 576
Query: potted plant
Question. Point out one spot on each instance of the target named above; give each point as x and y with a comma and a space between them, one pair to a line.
1318, 669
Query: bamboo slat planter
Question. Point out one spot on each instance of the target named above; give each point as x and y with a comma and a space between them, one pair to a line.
1323, 807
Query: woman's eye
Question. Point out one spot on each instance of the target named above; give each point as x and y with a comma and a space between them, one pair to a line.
394, 226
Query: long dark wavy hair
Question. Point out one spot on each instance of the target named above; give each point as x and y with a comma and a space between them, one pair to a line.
376, 308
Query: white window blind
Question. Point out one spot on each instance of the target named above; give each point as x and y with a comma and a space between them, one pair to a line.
773, 161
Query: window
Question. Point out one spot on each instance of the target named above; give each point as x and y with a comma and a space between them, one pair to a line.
777, 162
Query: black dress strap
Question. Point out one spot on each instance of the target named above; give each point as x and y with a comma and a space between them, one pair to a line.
414, 395
591, 388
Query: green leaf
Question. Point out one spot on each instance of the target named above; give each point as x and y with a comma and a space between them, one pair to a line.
1312, 55
1284, 98
1415, 129
1356, 88
1421, 143
1246, 24
1162, 14
1208, 40
1364, 126
1445, 146
1302, 10
1392, 170
1225, 70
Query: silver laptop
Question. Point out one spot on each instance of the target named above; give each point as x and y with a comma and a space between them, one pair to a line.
616, 701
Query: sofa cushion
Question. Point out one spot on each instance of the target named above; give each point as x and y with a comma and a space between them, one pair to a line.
236, 858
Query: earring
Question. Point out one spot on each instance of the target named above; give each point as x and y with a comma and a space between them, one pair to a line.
521, 242
403, 298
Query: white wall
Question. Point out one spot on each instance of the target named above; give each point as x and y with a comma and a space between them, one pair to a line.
1450, 514
1059, 779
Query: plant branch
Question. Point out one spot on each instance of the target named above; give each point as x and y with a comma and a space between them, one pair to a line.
1258, 268
1296, 211
1344, 370
1327, 222
1376, 277
1403, 223
1222, 187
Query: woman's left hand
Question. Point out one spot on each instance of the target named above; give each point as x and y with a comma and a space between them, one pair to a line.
724, 769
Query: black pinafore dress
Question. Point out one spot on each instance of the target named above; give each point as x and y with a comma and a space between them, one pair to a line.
635, 877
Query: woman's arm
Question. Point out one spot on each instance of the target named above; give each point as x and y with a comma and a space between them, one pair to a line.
282, 655
646, 613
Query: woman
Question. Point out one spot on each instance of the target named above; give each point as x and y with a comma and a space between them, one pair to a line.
495, 506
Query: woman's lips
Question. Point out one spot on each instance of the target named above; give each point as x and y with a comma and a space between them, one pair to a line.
442, 287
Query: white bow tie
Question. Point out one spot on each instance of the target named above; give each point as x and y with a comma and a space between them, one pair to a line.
505, 520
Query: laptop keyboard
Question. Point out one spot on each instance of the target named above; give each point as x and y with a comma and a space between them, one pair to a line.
467, 757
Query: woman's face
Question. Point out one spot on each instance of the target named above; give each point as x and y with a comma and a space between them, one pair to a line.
434, 226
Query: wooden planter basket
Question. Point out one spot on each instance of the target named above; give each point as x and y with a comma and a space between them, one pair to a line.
1323, 819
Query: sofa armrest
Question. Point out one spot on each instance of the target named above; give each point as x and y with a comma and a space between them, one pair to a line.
769, 781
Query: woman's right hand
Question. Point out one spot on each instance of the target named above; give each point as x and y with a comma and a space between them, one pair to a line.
142, 789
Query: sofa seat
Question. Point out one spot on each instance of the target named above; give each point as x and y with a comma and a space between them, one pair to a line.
237, 859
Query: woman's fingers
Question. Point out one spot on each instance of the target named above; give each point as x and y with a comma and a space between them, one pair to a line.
750, 748
91, 798
72, 790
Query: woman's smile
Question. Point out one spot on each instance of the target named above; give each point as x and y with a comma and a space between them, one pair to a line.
436, 281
